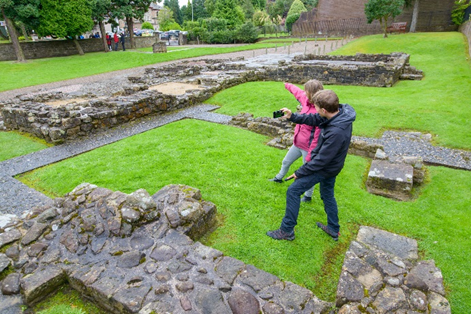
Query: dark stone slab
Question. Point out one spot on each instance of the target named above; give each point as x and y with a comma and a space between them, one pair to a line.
131, 298
9, 237
210, 301
348, 290
295, 297
11, 284
228, 268
400, 246
4, 262
390, 299
242, 302
255, 278
34, 233
438, 304
426, 277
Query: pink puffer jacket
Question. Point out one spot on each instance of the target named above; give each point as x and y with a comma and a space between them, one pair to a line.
305, 136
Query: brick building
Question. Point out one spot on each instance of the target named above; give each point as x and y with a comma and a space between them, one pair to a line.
347, 17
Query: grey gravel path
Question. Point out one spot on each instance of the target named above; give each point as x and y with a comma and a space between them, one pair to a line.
397, 144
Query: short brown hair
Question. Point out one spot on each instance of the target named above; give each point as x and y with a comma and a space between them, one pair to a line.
312, 87
327, 99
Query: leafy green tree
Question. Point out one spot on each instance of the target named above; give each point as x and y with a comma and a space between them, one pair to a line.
248, 8
246, 33
294, 12
260, 18
227, 9
210, 6
459, 8
199, 10
100, 12
259, 4
23, 12
65, 18
214, 24
280, 7
5, 5
147, 25
310, 4
290, 20
129, 10
177, 13
382, 10
296, 7
187, 12
165, 19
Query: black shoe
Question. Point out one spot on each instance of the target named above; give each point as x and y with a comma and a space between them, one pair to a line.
276, 180
327, 230
306, 199
279, 234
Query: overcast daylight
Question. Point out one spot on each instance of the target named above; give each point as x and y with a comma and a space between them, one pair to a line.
243, 157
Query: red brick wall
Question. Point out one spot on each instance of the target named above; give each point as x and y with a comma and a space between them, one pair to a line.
434, 15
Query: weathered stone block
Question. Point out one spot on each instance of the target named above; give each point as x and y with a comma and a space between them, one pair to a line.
400, 246
41, 283
390, 180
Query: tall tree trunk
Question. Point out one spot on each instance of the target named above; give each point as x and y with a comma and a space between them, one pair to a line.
415, 15
384, 26
79, 48
103, 36
20, 56
130, 24
23, 31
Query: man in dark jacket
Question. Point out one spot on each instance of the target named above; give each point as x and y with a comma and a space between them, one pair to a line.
122, 39
327, 160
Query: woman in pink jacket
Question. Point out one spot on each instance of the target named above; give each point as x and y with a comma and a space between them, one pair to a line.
305, 136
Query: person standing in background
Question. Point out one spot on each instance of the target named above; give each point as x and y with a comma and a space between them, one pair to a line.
123, 39
116, 41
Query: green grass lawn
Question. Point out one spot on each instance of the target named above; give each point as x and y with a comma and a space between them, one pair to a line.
40, 71
231, 167
14, 144
439, 104
296, 39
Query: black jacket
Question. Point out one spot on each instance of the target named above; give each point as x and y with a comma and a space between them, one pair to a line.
329, 155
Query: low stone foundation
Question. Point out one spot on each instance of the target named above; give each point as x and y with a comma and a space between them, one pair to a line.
159, 47
137, 253
59, 117
381, 273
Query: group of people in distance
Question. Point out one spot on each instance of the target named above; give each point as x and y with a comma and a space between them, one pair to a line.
322, 137
114, 38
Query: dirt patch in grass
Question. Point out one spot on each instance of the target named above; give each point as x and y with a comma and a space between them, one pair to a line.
174, 88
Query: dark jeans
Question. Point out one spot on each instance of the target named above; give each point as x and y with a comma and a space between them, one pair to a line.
124, 48
116, 47
293, 201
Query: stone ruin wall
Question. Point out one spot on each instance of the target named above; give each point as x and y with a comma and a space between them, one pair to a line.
92, 113
63, 47
137, 253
